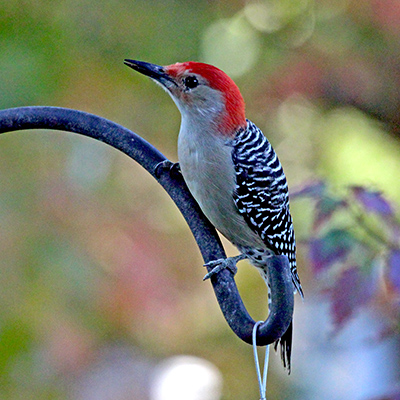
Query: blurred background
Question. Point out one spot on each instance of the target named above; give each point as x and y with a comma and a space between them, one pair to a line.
101, 292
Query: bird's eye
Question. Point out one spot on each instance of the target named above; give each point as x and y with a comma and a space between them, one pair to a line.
191, 82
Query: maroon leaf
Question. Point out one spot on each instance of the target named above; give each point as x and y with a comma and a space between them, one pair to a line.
333, 247
352, 290
372, 201
394, 268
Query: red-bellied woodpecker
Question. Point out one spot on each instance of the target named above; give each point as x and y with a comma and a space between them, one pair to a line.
230, 168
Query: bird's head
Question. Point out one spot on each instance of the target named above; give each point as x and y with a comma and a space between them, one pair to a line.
202, 92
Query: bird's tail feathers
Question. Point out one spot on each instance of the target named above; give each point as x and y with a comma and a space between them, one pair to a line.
285, 344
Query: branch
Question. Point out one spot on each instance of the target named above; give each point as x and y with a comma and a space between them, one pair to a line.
230, 302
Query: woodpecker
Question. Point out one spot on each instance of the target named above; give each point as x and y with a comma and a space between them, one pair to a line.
230, 169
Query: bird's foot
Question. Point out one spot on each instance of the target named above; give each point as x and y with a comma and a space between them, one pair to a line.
223, 263
173, 168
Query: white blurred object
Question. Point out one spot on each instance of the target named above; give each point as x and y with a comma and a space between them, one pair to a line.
124, 373
186, 378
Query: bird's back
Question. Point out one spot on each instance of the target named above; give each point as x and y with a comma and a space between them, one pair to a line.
261, 194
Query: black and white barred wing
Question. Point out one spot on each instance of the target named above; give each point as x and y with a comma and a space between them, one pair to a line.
261, 194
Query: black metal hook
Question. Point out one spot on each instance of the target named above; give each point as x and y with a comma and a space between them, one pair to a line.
230, 302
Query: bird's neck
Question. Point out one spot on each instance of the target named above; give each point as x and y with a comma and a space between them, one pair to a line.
220, 127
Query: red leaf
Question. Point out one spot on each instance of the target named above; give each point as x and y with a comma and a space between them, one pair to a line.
325, 207
352, 290
394, 268
393, 396
333, 247
372, 201
313, 189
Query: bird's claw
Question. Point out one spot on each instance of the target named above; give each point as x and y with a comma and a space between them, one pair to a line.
173, 168
219, 265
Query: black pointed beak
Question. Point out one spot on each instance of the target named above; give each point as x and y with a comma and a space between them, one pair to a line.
153, 71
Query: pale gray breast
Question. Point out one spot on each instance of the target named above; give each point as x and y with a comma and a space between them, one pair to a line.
207, 167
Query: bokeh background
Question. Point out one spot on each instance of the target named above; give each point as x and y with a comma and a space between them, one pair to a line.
101, 292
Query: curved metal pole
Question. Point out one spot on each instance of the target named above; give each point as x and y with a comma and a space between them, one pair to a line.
230, 302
